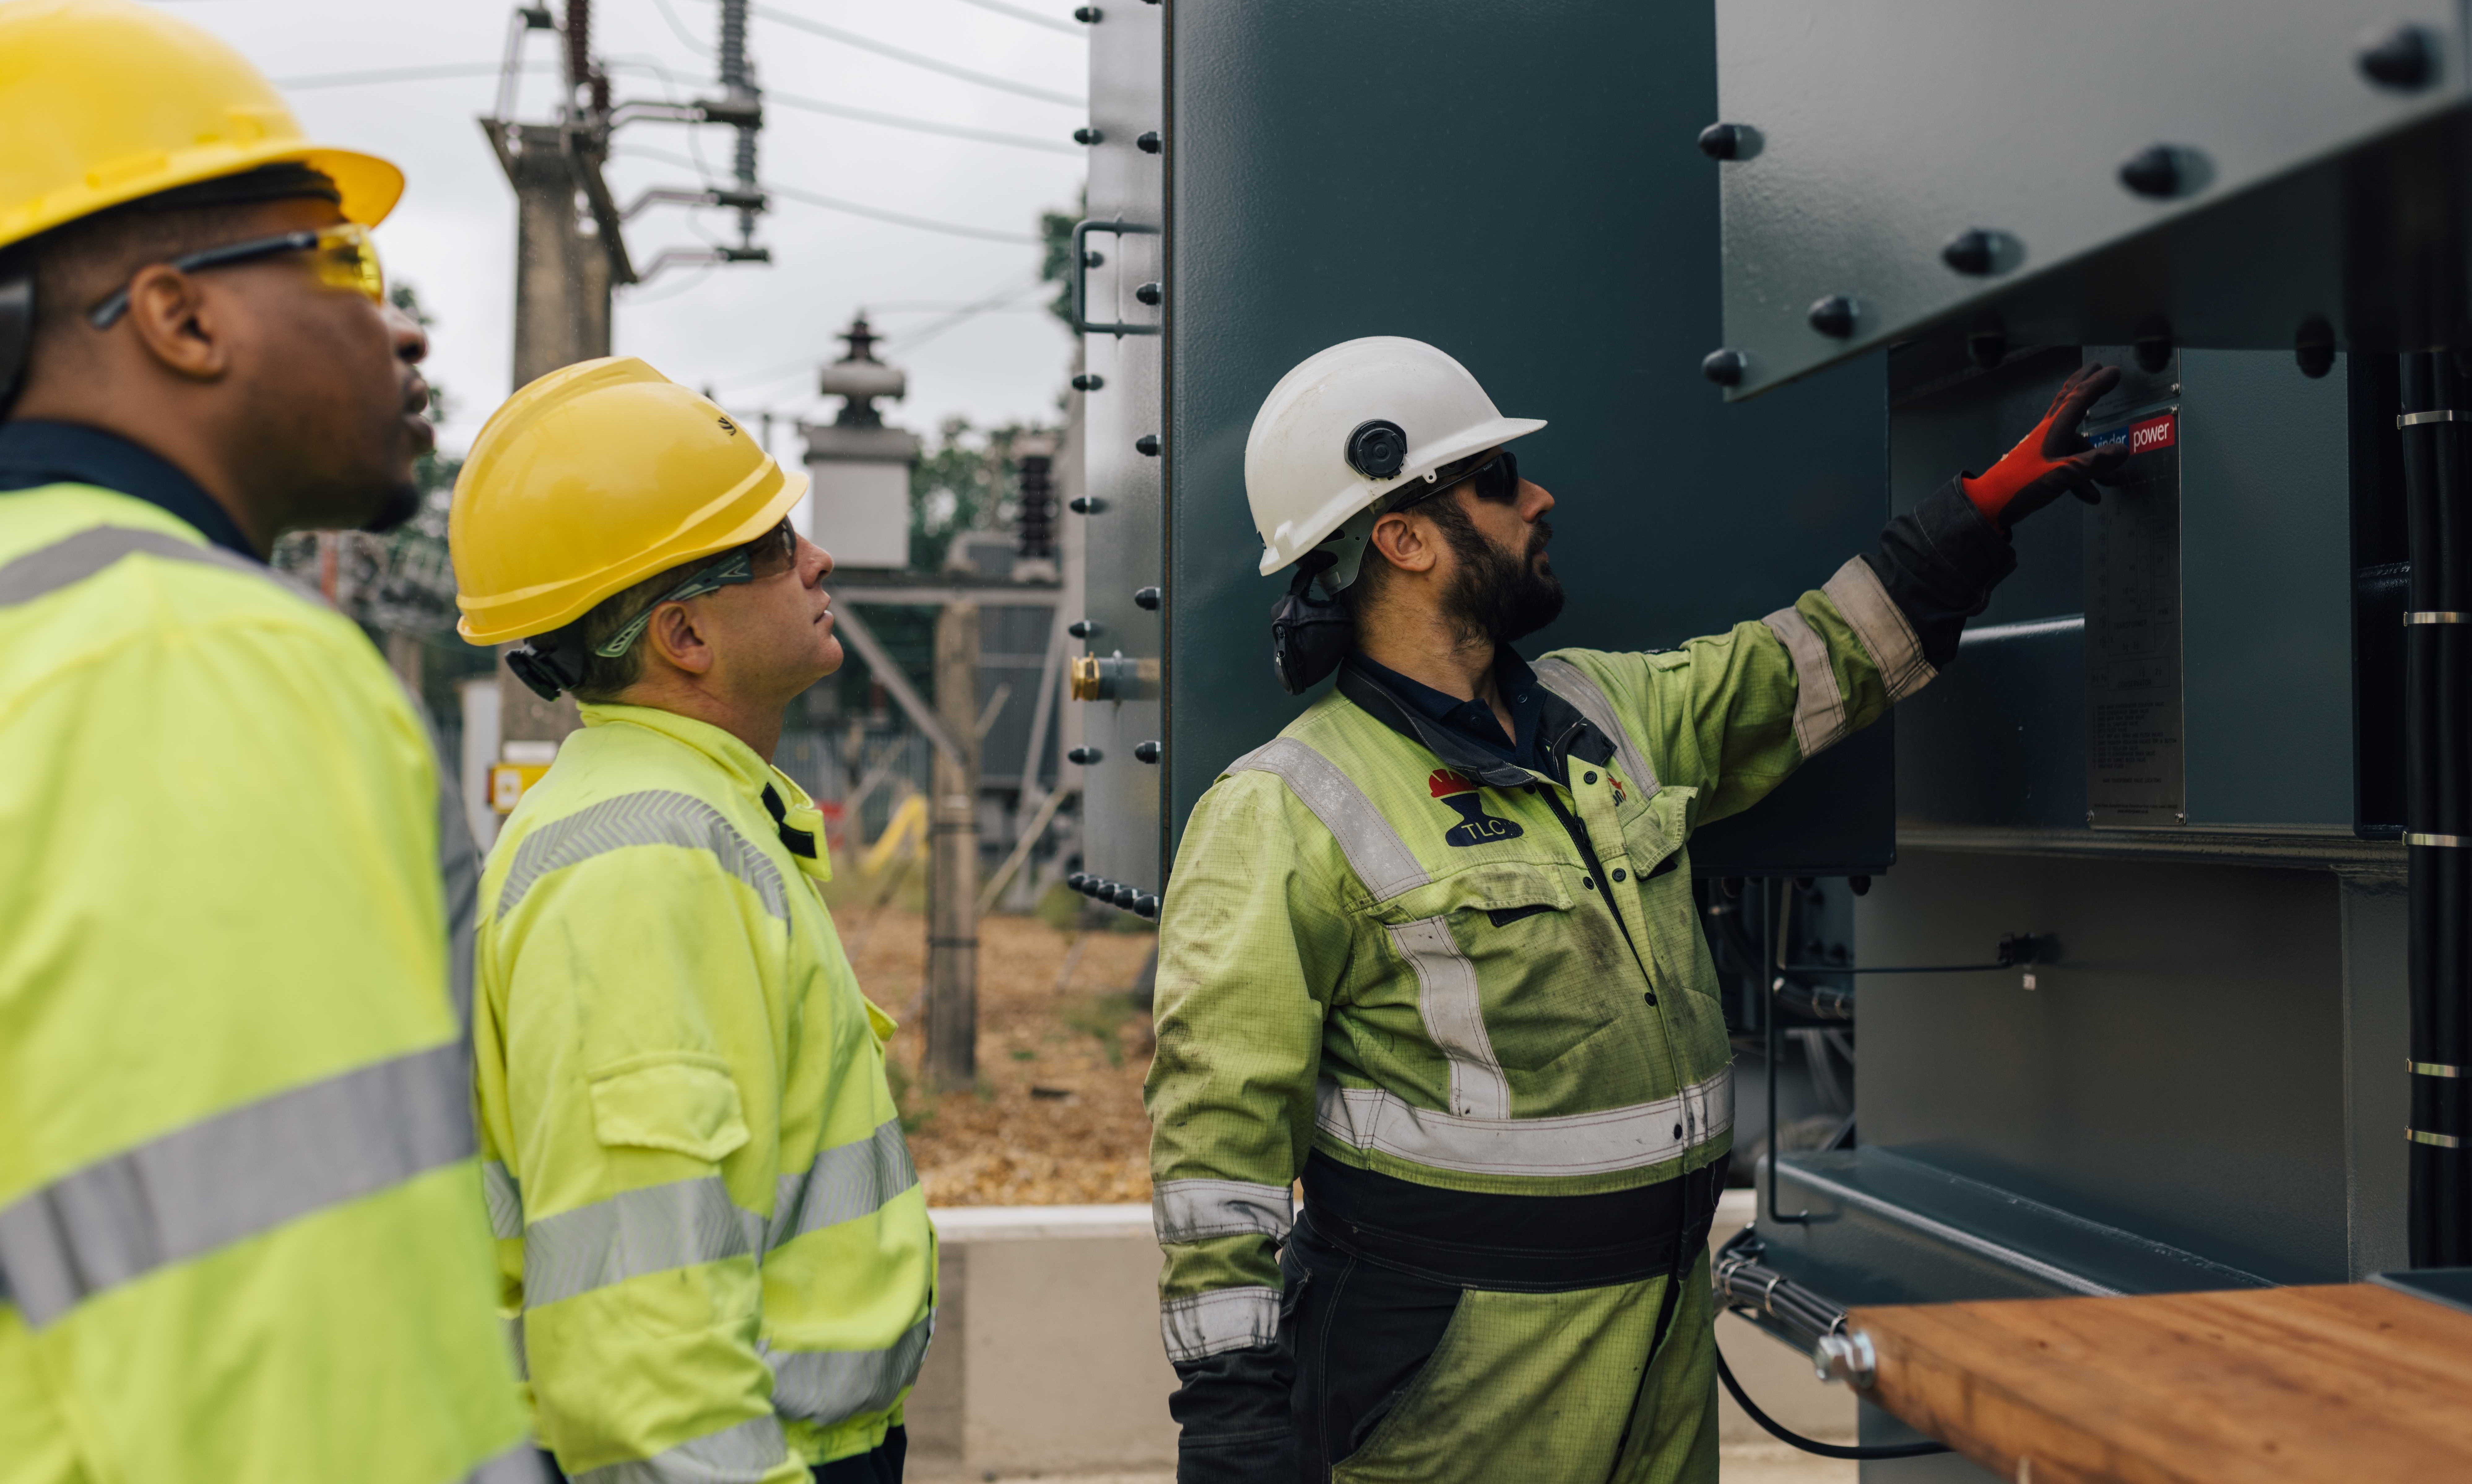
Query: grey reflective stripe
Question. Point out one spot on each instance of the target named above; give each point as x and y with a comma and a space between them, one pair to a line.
1223, 1319
742, 1454
1615, 1138
458, 868
1573, 684
234, 1176
515, 1348
829, 1387
649, 1231
654, 817
845, 1182
1882, 626
1818, 706
504, 1198
1454, 1015
1374, 850
71, 561
1196, 1210
518, 1465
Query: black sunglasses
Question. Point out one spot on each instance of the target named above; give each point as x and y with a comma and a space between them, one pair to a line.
1496, 479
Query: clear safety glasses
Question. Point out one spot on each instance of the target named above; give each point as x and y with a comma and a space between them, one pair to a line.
1496, 479
342, 257
767, 557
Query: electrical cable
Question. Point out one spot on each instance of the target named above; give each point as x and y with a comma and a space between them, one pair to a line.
685, 37
1069, 28
1779, 1431
836, 204
915, 59
920, 125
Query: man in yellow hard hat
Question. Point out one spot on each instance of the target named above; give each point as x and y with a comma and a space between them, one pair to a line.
241, 1234
709, 1224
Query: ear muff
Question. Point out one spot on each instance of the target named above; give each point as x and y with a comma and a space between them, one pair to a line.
1309, 635
17, 333
1378, 447
543, 668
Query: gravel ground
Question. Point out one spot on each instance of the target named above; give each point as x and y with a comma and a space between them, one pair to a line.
1057, 1117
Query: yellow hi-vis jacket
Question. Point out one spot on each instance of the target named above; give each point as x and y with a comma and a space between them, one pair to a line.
707, 1214
241, 1229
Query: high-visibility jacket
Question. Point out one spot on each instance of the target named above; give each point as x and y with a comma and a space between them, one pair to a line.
241, 1230
710, 1228
1415, 959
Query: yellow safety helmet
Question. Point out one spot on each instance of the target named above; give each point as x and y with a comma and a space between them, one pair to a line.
103, 102
591, 479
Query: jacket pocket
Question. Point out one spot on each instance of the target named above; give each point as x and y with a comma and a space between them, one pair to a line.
683, 1102
1539, 956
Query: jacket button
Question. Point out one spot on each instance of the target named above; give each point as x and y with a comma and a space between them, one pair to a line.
1619, 873
1651, 997
1590, 882
1587, 777
1677, 1130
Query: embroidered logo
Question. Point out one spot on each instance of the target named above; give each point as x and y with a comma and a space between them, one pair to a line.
1475, 826
1620, 798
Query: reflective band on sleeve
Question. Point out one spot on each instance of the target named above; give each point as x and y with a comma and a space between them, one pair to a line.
1615, 1138
504, 1198
1573, 684
1818, 706
518, 1465
1223, 1319
1374, 850
1196, 1210
66, 562
845, 1182
654, 817
830, 1386
232, 1176
742, 1454
1882, 626
649, 1231
1454, 1015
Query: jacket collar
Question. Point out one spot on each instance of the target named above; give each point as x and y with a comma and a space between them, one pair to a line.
39, 453
750, 773
1563, 733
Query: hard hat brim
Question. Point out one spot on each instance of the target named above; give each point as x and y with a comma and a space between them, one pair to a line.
370, 186
1294, 540
617, 580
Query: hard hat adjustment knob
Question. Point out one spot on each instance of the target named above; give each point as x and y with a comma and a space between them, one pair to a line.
1378, 447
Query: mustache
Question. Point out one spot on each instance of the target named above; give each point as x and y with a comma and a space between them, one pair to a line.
1539, 537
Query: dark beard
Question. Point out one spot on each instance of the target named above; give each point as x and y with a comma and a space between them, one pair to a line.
1496, 596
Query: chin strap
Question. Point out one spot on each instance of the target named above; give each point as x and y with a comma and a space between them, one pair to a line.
1309, 635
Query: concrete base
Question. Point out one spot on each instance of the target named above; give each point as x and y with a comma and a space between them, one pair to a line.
1047, 1358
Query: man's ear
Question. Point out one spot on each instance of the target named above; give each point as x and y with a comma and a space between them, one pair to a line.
183, 327
674, 637
1405, 542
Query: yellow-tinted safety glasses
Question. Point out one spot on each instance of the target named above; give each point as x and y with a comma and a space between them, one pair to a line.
342, 257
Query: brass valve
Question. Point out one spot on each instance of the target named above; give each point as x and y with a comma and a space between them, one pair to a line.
1087, 681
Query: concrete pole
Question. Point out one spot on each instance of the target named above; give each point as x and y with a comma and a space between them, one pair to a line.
953, 859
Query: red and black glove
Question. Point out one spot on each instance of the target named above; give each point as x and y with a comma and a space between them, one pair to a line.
2052, 459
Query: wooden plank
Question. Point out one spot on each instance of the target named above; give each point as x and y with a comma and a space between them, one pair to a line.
2310, 1385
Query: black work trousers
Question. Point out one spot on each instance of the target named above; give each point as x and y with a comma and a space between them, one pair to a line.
880, 1466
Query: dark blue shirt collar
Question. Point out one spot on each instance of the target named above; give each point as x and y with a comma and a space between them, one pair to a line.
1521, 694
34, 454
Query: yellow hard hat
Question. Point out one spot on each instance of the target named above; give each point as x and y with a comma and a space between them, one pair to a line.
591, 479
105, 101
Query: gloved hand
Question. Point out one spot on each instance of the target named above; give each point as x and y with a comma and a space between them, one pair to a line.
2052, 459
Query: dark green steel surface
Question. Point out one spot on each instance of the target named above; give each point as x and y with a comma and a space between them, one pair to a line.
1517, 183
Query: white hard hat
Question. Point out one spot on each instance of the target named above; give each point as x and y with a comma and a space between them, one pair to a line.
1353, 425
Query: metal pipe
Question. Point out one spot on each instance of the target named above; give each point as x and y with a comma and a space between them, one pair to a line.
1772, 983
2438, 809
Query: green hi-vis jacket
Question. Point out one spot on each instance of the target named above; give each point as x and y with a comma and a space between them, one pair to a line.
710, 1228
241, 1233
1463, 972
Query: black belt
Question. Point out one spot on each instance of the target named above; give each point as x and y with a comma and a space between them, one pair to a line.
1531, 1243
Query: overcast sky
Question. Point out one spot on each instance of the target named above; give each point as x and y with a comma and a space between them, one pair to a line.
753, 333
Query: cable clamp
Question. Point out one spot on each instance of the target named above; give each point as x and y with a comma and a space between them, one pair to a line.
2441, 842
2432, 1070
1846, 1357
2436, 618
2414, 420
2438, 1140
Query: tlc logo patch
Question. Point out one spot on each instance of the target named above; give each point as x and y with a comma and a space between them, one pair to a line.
1475, 826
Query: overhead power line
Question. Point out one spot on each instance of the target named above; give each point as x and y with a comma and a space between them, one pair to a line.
836, 204
915, 59
452, 69
920, 125
1069, 28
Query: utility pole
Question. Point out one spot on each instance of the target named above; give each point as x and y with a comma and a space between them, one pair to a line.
953, 858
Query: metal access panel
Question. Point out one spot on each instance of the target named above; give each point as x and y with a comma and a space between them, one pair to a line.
1517, 185
1125, 405
2292, 184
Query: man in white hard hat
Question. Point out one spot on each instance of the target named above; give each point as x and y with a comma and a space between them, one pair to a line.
1434, 951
